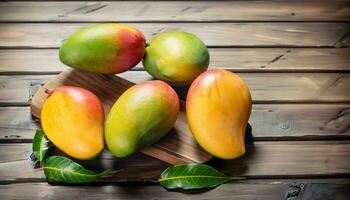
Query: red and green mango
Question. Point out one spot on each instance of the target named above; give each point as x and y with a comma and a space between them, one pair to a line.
104, 48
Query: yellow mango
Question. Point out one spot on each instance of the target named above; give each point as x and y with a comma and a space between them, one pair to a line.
218, 107
72, 118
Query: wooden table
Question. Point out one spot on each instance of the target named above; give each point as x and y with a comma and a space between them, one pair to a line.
294, 55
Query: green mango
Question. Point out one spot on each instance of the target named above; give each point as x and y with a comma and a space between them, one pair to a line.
176, 57
104, 48
140, 117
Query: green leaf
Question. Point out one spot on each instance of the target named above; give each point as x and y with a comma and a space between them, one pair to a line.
192, 176
40, 146
63, 169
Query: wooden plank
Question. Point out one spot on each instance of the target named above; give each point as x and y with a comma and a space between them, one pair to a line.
18, 89
175, 11
265, 87
50, 35
239, 191
44, 61
236, 191
263, 159
268, 122
275, 157
30, 61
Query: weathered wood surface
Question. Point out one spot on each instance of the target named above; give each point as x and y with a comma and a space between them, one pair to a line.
51, 35
268, 121
175, 11
311, 103
240, 191
44, 61
280, 159
265, 87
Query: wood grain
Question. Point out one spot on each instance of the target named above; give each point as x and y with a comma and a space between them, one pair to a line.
265, 87
44, 61
237, 190
155, 11
18, 89
278, 155
268, 122
263, 159
51, 35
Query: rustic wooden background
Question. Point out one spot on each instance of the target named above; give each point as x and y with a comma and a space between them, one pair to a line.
294, 55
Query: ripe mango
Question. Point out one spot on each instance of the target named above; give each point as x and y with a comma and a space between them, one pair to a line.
104, 48
218, 107
176, 57
72, 118
140, 117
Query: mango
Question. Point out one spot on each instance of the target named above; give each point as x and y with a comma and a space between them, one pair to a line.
218, 107
72, 118
176, 57
104, 48
140, 117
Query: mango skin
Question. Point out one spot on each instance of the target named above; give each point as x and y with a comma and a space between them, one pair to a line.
104, 48
218, 108
72, 118
140, 117
176, 57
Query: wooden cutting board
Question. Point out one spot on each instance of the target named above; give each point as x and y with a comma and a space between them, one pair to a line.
178, 147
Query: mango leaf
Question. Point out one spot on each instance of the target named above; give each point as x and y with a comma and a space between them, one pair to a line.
40, 146
62, 169
192, 176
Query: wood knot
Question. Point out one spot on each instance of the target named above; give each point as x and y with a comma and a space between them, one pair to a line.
293, 191
341, 122
285, 125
